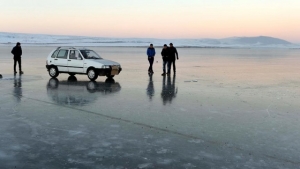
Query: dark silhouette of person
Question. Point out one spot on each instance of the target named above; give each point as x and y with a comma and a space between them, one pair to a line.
165, 58
169, 90
17, 52
151, 53
173, 54
150, 88
17, 91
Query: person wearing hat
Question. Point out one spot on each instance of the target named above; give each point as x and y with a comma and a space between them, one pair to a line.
173, 54
165, 58
150, 54
17, 52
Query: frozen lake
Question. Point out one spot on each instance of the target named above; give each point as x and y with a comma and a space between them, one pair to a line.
225, 108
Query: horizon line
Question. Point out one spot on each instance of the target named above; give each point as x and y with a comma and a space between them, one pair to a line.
146, 37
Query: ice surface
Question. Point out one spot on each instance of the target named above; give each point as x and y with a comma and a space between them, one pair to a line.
242, 113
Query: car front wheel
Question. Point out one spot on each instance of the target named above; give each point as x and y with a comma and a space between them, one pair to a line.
92, 74
53, 72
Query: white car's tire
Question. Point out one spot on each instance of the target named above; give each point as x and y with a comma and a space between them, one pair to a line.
53, 72
92, 74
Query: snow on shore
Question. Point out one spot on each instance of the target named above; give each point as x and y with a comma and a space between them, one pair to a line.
60, 40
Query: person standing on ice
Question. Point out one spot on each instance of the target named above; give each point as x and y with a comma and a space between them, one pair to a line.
151, 54
173, 54
165, 58
17, 52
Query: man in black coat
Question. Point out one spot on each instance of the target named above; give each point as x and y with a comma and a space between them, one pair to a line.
173, 54
165, 58
17, 52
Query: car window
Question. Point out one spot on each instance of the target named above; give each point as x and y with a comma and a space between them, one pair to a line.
54, 54
62, 54
74, 54
90, 54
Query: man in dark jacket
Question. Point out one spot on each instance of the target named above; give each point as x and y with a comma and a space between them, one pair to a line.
151, 54
17, 52
173, 54
165, 58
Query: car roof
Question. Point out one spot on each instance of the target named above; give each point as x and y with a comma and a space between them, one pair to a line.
74, 48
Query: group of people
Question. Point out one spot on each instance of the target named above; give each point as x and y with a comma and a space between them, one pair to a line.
169, 55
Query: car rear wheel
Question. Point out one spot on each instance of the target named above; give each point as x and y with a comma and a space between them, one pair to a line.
92, 74
53, 72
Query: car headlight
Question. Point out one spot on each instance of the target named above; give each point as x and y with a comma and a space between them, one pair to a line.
105, 67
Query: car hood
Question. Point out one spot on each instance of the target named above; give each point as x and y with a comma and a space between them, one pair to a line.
106, 62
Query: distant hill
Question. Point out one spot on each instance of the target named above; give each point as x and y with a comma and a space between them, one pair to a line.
59, 40
260, 40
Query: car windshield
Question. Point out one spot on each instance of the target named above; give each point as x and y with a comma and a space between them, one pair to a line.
89, 54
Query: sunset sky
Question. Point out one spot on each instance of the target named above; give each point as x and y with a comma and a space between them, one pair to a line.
153, 18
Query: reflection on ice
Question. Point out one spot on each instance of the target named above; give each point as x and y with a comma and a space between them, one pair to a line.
17, 90
169, 90
150, 88
73, 92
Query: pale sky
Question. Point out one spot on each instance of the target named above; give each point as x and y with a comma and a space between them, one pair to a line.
153, 18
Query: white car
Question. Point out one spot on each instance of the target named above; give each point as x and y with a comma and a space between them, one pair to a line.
80, 61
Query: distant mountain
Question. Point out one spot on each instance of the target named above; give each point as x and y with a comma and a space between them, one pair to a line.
260, 40
59, 40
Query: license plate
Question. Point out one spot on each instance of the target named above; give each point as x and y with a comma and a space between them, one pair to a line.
114, 70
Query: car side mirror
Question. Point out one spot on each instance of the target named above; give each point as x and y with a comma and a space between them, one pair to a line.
79, 58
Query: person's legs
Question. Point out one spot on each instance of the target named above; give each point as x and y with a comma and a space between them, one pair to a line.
174, 66
15, 64
149, 69
20, 65
164, 66
151, 60
169, 66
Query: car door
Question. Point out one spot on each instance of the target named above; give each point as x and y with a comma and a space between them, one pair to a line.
61, 60
75, 62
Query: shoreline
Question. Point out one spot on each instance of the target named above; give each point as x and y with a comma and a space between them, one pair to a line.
144, 46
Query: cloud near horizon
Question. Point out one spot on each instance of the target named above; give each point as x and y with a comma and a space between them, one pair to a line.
154, 19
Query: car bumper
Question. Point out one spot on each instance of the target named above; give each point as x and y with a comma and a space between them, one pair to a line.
47, 67
108, 72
